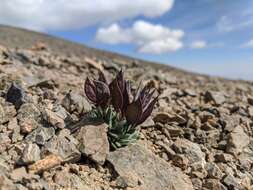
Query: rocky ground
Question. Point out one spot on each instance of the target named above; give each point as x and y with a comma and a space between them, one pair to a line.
199, 136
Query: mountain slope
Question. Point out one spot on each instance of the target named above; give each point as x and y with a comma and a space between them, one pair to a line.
199, 135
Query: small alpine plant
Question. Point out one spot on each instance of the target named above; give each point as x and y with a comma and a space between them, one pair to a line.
119, 107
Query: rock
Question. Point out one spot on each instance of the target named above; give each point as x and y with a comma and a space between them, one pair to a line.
180, 161
27, 125
75, 103
229, 121
7, 111
70, 181
5, 141
46, 163
148, 123
190, 92
197, 183
213, 171
93, 142
49, 84
54, 119
5, 183
16, 95
174, 131
30, 154
223, 157
19, 174
164, 117
28, 110
15, 128
214, 184
237, 140
232, 183
41, 135
139, 167
250, 100
217, 97
191, 151
62, 147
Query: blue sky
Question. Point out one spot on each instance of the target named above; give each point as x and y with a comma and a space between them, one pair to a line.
207, 36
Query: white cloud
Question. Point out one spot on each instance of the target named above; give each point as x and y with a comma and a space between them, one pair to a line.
74, 14
198, 44
248, 44
148, 38
232, 23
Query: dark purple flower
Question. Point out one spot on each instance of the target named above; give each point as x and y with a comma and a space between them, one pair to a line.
97, 92
120, 89
141, 107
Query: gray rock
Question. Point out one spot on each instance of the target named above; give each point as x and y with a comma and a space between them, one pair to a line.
232, 183
237, 140
5, 141
29, 110
139, 167
16, 95
214, 184
15, 129
7, 111
41, 135
62, 147
213, 171
217, 97
93, 142
31, 153
75, 103
191, 150
54, 119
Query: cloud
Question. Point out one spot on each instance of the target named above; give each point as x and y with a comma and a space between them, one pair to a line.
75, 14
198, 44
235, 22
248, 44
149, 38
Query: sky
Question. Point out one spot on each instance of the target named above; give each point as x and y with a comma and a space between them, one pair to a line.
213, 37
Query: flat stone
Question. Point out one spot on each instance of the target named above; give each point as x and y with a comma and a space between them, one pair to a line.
29, 110
191, 150
19, 174
74, 102
41, 135
142, 169
62, 147
164, 117
54, 119
237, 140
93, 142
232, 183
217, 97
